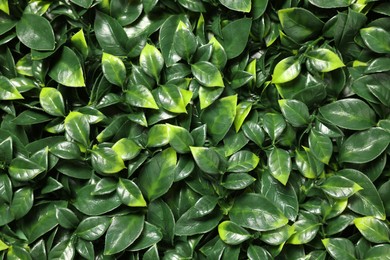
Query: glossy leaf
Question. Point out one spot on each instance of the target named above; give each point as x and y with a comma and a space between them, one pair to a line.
206, 159
22, 202
123, 231
295, 112
140, 96
127, 149
35, 32
7, 90
52, 101
321, 146
180, 139
92, 228
339, 248
255, 212
279, 163
305, 231
349, 113
130, 194
106, 161
174, 99
339, 187
364, 146
67, 70
243, 161
234, 35
232, 234
286, 70
77, 127
23, 169
373, 230
151, 61
207, 74
241, 6
324, 60
377, 39
113, 69
150, 235
184, 41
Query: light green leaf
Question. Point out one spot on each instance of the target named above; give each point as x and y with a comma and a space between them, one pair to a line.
67, 70
113, 69
158, 135
295, 112
242, 111
79, 42
243, 161
77, 127
130, 194
286, 70
207, 74
52, 101
106, 161
279, 164
173, 98
151, 61
180, 138
340, 187
377, 39
127, 149
320, 146
324, 60
206, 158
374, 230
140, 96
305, 231
7, 90
232, 234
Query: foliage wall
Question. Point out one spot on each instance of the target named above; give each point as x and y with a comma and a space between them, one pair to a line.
184, 129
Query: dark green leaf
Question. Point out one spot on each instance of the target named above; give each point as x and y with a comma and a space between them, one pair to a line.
206, 158
377, 39
232, 234
243, 161
207, 74
279, 163
339, 248
92, 228
22, 202
106, 161
150, 235
340, 187
321, 146
126, 12
140, 96
295, 112
373, 229
235, 36
130, 194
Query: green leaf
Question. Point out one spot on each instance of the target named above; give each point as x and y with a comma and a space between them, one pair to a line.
305, 231
123, 231
256, 212
207, 96
52, 101
206, 158
367, 201
130, 194
243, 161
77, 127
237, 181
35, 32
127, 149
257, 252
299, 24
295, 112
22, 202
66, 218
324, 60
235, 36
91, 228
24, 169
92, 205
83, 3
160, 215
79, 42
126, 12
219, 117
67, 70
340, 187
113, 69
364, 146
274, 125
156, 177
7, 90
207, 74
150, 235
104, 186
377, 252
279, 164
184, 42
278, 236
31, 117
339, 248
218, 55
174, 99
16, 252
321, 146
372, 229
283, 197
239, 6
85, 249
5, 188
158, 135
381, 64
377, 39
349, 113
110, 35
232, 234
286, 70
179, 138
106, 161
140, 96
242, 111
151, 61
331, 3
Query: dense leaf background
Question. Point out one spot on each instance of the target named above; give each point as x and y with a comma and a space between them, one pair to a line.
210, 129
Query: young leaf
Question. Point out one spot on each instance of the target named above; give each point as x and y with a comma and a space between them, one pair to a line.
130, 194
52, 101
77, 127
158, 135
127, 149
113, 69
377, 39
242, 112
180, 139
151, 61
232, 234
207, 74
106, 161
373, 229
7, 90
279, 163
339, 187
324, 60
140, 96
206, 158
321, 146
243, 161
286, 70
174, 99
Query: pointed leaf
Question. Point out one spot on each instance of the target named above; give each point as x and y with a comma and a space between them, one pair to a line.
373, 229
232, 234
295, 112
151, 61
113, 69
377, 39
279, 163
140, 96
106, 161
77, 127
243, 161
52, 101
340, 187
206, 159
339, 248
207, 74
286, 70
130, 194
